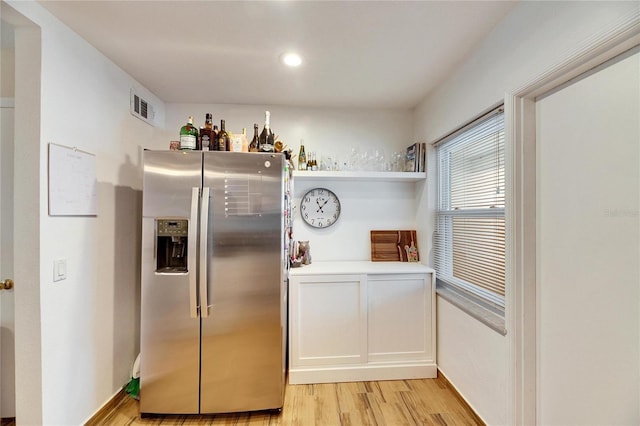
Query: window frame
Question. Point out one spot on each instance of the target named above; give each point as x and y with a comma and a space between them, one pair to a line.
451, 286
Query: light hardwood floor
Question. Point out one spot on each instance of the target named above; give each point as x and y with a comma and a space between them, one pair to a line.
395, 402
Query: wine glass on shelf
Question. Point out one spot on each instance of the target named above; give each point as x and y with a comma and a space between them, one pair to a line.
354, 160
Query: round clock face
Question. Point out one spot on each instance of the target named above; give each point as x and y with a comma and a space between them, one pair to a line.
320, 208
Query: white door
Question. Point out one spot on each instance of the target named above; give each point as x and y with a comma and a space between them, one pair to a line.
588, 141
7, 339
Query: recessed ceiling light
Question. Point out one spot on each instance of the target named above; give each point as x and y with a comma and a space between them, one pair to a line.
291, 59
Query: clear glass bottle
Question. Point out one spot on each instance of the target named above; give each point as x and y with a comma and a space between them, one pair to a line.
188, 135
245, 142
302, 157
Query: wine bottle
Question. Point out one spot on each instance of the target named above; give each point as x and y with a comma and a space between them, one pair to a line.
254, 146
223, 138
302, 157
214, 138
199, 140
206, 133
188, 135
266, 137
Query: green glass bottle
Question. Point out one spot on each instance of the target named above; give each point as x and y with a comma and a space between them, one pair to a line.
188, 135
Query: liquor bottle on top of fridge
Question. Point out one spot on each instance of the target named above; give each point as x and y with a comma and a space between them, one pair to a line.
302, 157
266, 137
214, 138
206, 133
188, 135
254, 146
223, 138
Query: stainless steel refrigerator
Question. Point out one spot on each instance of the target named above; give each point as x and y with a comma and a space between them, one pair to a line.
213, 317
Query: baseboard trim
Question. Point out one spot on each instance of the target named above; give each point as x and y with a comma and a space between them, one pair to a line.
360, 373
105, 411
460, 398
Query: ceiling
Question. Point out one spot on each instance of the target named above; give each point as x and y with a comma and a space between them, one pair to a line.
357, 54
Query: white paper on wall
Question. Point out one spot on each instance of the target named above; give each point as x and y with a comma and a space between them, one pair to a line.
72, 182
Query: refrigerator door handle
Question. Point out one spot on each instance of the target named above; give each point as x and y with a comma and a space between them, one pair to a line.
192, 249
204, 230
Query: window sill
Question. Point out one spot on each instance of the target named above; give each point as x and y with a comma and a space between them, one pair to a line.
475, 309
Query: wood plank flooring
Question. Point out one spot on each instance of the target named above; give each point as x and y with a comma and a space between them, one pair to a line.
391, 403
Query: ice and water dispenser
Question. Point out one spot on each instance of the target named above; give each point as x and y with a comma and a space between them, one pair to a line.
172, 242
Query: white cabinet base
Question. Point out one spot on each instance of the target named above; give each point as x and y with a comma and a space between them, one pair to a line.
361, 373
361, 321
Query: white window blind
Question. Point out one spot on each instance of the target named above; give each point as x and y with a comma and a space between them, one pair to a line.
469, 239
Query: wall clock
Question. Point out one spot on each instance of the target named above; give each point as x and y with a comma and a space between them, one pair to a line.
320, 208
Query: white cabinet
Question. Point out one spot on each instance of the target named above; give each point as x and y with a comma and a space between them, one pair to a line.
354, 321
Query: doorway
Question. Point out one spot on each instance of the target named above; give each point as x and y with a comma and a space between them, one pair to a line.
526, 298
7, 303
24, 203
588, 204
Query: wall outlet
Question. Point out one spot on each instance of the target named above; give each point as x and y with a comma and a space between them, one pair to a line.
59, 269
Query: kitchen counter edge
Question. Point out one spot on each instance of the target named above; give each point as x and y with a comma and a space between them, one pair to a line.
360, 267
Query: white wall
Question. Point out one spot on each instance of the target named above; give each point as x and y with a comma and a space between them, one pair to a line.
89, 322
515, 52
476, 355
588, 213
328, 132
325, 131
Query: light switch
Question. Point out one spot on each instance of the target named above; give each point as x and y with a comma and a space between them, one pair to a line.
59, 269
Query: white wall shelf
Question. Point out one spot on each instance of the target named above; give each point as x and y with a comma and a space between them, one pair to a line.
357, 176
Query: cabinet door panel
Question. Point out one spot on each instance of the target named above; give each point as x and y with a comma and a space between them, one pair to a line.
399, 310
331, 322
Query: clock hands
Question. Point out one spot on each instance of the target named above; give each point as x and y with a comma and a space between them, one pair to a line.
321, 206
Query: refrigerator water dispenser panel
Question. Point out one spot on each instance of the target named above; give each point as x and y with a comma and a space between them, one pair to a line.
172, 242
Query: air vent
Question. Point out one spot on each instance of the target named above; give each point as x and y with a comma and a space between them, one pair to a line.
141, 108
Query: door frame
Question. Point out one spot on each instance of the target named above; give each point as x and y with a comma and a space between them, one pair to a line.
520, 125
7, 368
28, 179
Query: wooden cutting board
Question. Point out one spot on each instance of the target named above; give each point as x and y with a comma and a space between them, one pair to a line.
391, 246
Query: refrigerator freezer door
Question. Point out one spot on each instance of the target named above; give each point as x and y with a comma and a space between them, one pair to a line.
169, 341
242, 351
202, 256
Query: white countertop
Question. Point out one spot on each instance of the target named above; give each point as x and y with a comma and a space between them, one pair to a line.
360, 267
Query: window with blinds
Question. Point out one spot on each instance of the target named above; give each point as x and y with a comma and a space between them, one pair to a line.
469, 245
